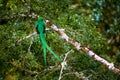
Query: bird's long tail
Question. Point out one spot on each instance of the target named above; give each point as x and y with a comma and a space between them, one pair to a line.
45, 46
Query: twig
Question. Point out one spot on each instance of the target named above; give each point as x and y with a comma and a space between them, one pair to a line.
77, 45
30, 35
63, 64
82, 77
31, 42
69, 74
26, 37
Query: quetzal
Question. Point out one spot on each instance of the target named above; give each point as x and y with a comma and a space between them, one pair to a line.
40, 28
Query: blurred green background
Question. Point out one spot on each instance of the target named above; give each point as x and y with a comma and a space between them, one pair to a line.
93, 23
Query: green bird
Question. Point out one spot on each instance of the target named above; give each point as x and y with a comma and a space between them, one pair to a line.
40, 28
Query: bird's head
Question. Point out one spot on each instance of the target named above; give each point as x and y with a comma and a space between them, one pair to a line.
40, 19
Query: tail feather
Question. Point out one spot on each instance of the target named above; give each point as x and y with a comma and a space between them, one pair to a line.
55, 55
44, 44
44, 55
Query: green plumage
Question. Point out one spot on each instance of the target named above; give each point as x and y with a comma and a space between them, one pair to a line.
40, 27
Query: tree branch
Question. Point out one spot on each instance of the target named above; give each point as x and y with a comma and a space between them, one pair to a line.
31, 42
26, 37
33, 34
63, 64
78, 46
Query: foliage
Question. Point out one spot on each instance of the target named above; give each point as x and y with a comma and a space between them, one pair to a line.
84, 21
